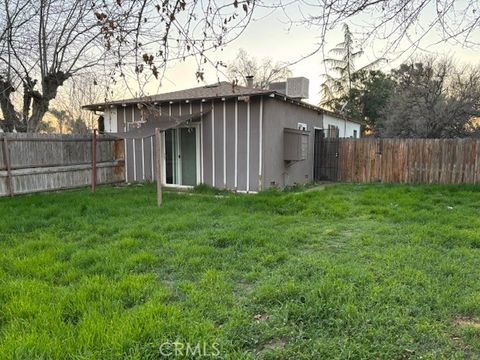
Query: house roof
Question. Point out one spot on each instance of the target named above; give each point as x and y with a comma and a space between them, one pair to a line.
222, 89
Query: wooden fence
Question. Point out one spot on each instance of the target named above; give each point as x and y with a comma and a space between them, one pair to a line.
35, 162
415, 161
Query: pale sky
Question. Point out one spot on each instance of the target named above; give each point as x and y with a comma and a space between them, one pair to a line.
270, 37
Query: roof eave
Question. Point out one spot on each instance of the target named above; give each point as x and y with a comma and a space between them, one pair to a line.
271, 93
102, 106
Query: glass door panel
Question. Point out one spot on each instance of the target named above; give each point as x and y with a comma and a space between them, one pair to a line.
181, 156
188, 152
171, 156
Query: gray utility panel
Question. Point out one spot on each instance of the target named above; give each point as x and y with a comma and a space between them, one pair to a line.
295, 144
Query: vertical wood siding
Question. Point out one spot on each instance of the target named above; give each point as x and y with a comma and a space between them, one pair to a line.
219, 160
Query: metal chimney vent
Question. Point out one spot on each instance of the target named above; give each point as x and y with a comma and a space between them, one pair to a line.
249, 79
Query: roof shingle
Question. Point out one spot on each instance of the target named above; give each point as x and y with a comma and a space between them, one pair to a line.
222, 89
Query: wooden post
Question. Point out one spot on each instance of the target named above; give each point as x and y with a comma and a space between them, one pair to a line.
94, 160
158, 150
6, 159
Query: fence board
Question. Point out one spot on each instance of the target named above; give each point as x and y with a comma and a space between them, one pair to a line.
476, 179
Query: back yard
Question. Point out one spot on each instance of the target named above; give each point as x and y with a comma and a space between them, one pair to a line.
353, 271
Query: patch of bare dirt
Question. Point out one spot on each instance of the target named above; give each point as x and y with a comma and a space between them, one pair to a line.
260, 317
467, 322
272, 345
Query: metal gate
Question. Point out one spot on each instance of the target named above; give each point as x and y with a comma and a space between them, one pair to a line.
325, 161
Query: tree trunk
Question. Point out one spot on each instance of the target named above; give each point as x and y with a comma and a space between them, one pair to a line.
50, 85
39, 108
9, 114
28, 90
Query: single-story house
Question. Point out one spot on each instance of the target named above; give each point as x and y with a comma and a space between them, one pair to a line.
228, 136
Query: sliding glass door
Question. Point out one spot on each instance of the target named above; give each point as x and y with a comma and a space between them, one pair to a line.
181, 165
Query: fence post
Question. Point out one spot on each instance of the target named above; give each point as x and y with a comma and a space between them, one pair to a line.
6, 159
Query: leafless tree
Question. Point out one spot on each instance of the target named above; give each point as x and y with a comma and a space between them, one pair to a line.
14, 15
432, 99
47, 42
44, 43
264, 72
156, 33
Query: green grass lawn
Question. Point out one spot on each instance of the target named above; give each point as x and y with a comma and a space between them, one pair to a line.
351, 272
